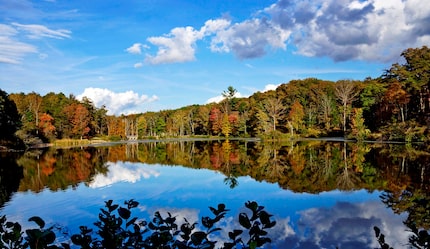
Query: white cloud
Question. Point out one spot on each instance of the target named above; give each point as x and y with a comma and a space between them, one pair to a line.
250, 38
372, 30
369, 30
13, 50
36, 31
220, 98
122, 172
325, 226
117, 103
138, 65
178, 46
135, 49
270, 87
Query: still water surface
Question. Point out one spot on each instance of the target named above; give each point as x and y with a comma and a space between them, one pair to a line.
322, 195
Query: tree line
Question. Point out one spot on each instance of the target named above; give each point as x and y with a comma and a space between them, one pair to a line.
393, 106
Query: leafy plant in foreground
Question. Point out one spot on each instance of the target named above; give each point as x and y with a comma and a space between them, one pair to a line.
116, 228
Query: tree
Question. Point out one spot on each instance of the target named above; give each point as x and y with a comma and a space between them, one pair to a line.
359, 130
229, 96
54, 104
35, 101
46, 125
10, 121
414, 76
346, 92
396, 99
79, 118
226, 126
295, 117
274, 109
215, 118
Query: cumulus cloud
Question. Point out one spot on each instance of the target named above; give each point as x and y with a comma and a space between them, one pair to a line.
117, 103
122, 172
135, 48
178, 46
346, 225
370, 30
250, 38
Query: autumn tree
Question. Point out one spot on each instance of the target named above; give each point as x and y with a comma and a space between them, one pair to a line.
346, 93
141, 126
54, 104
274, 109
396, 100
359, 130
264, 124
46, 126
225, 125
215, 118
34, 103
79, 119
295, 117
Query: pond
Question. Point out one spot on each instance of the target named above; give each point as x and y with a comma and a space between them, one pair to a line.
322, 194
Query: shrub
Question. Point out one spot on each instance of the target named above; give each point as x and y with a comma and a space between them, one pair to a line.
116, 228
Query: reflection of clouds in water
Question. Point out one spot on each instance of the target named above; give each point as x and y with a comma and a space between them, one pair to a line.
346, 225
192, 215
122, 172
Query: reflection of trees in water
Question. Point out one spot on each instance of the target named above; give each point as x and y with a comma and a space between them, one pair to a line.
416, 203
61, 169
10, 176
311, 166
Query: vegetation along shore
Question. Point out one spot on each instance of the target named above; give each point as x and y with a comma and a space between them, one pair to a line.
393, 107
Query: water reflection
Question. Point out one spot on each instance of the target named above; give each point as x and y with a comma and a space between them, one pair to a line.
323, 194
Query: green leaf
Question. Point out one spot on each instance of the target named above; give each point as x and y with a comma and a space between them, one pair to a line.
198, 237
152, 226
377, 231
131, 221
124, 213
207, 222
76, 239
244, 220
113, 207
221, 207
253, 245
132, 204
49, 237
234, 234
264, 217
38, 221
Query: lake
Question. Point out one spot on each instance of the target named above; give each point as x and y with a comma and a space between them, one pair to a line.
323, 194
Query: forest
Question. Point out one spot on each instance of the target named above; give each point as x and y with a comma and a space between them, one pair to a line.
392, 107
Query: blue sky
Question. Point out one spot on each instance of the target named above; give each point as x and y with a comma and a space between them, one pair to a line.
137, 56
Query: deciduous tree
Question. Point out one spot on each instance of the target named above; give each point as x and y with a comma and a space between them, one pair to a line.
346, 92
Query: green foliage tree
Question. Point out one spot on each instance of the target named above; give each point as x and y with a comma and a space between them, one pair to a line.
359, 130
10, 121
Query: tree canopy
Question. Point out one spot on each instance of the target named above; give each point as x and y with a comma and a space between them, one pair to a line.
394, 106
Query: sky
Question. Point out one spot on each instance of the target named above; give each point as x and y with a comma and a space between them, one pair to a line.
148, 55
